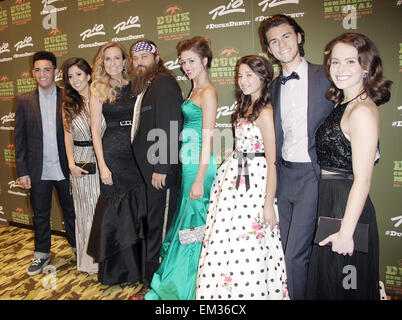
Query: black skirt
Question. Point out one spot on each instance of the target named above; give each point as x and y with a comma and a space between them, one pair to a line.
117, 239
332, 276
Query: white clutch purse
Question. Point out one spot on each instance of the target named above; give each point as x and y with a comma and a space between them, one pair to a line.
192, 235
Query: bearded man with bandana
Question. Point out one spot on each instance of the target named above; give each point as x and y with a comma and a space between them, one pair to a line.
157, 123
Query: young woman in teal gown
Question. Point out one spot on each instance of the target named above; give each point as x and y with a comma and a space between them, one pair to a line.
175, 278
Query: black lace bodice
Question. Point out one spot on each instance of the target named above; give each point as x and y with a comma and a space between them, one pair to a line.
334, 150
116, 143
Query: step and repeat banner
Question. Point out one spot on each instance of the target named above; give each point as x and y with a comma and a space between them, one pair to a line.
79, 27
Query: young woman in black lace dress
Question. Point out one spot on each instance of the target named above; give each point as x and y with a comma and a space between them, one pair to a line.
347, 148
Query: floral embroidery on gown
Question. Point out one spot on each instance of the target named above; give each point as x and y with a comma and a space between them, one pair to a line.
240, 258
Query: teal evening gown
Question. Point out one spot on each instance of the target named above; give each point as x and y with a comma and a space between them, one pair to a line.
175, 278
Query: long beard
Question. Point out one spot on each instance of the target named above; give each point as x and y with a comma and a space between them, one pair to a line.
141, 77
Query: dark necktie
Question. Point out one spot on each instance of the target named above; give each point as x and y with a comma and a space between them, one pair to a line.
284, 79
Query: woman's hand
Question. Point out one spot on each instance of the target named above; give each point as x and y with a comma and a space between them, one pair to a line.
197, 190
340, 244
270, 217
77, 172
106, 176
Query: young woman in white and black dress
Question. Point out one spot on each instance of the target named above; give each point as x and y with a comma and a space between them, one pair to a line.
78, 143
347, 148
117, 230
242, 256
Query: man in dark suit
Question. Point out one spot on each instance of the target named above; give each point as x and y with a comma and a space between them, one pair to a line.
41, 157
298, 97
157, 123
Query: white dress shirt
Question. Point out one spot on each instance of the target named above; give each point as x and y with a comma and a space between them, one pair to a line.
51, 163
294, 96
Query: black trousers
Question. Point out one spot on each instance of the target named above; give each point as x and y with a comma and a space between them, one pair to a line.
41, 202
157, 201
297, 196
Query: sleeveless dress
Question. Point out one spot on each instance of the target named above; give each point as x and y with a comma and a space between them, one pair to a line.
329, 275
85, 190
240, 258
175, 278
116, 239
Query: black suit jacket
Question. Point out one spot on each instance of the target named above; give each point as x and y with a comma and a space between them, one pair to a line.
28, 136
160, 109
318, 108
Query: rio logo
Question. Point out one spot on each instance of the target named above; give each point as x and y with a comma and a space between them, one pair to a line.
27, 42
4, 48
130, 23
98, 29
274, 3
232, 7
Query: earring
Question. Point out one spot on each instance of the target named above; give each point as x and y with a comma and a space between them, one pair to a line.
365, 74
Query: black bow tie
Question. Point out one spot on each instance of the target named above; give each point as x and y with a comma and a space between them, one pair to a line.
293, 75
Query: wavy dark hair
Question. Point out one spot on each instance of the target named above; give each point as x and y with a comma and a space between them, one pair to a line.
374, 83
263, 69
73, 103
200, 45
45, 55
275, 21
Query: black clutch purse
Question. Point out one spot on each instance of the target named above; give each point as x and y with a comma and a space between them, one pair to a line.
88, 166
327, 226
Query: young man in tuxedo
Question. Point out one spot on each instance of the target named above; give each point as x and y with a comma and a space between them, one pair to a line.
156, 129
40, 155
298, 97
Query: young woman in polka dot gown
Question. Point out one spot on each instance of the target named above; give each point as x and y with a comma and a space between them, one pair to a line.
242, 255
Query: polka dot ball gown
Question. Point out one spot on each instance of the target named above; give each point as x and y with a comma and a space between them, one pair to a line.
240, 258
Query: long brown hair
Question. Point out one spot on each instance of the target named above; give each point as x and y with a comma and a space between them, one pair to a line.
73, 103
263, 69
200, 45
374, 83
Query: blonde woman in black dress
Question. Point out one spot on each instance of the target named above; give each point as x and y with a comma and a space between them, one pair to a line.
117, 230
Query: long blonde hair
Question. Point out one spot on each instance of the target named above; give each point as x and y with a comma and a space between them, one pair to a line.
103, 86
